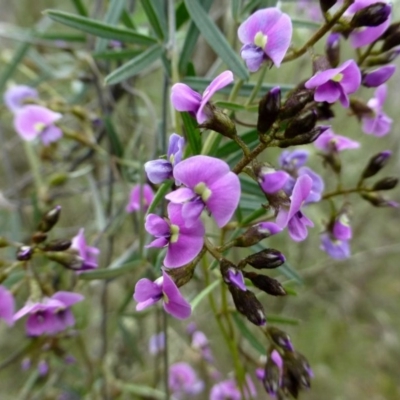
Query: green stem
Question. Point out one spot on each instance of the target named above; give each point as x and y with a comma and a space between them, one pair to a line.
344, 191
257, 86
35, 168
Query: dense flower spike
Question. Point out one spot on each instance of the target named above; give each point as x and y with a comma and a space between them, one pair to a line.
292, 217
184, 243
160, 170
184, 98
367, 34
89, 254
209, 184
266, 34
148, 293
15, 96
336, 83
6, 306
183, 381
135, 198
379, 124
329, 142
34, 121
51, 315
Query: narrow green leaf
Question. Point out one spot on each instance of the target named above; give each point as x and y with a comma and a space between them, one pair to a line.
126, 20
161, 192
216, 39
253, 216
248, 335
119, 54
80, 7
135, 66
235, 9
231, 106
67, 37
100, 29
151, 14
112, 17
111, 273
203, 294
192, 133
181, 15
116, 145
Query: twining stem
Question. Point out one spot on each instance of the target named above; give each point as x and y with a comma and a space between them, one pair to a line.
320, 33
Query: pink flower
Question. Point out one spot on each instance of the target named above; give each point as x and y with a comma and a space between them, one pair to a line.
89, 254
329, 142
6, 306
134, 198
15, 96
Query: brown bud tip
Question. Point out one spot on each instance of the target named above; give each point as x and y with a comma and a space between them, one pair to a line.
296, 102
219, 122
280, 338
265, 283
266, 259
377, 200
387, 183
303, 123
67, 259
376, 163
49, 219
268, 109
373, 15
57, 245
391, 41
39, 237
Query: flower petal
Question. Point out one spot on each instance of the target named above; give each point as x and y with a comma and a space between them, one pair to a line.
329, 92
68, 298
156, 225
180, 195
145, 289
6, 306
175, 304
183, 98
158, 171
51, 134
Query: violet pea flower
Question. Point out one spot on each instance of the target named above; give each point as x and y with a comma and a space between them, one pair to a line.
379, 124
329, 141
160, 170
6, 306
183, 381
89, 254
293, 217
134, 198
164, 288
292, 160
271, 181
335, 248
157, 343
209, 183
378, 76
184, 243
266, 34
51, 315
336, 83
34, 121
367, 34
15, 96
183, 98
229, 390
341, 228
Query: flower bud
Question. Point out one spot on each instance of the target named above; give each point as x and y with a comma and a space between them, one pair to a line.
384, 58
24, 253
49, 219
326, 5
39, 237
182, 275
298, 366
386, 183
248, 305
304, 138
257, 233
332, 49
324, 111
66, 259
295, 103
266, 259
301, 124
378, 76
273, 373
377, 200
280, 338
57, 245
373, 15
391, 41
265, 283
219, 122
359, 108
231, 274
376, 163
268, 109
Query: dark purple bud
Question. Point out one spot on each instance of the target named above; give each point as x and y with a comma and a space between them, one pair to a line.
266, 259
303, 123
39, 237
257, 233
24, 253
298, 366
378, 76
377, 200
219, 122
231, 274
394, 27
373, 15
265, 283
324, 111
248, 305
66, 259
49, 219
359, 108
268, 109
391, 41
376, 163
384, 58
57, 245
280, 338
296, 102
332, 49
305, 138
386, 183
273, 373
326, 5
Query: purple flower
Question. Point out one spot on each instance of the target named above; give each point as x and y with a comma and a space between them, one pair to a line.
335, 248
317, 186
164, 288
15, 97
200, 342
293, 160
6, 306
183, 380
266, 34
43, 367
379, 124
209, 184
341, 228
336, 83
229, 390
292, 217
367, 34
157, 343
330, 142
184, 243
89, 254
378, 76
271, 181
235, 277
160, 170
134, 198
34, 121
184, 98
51, 315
